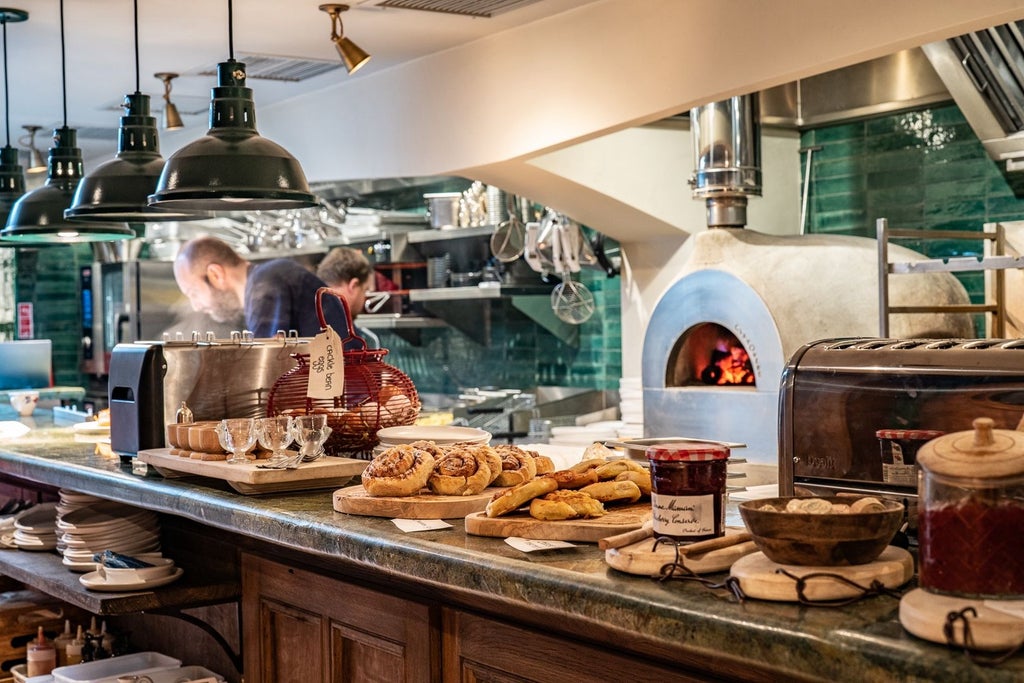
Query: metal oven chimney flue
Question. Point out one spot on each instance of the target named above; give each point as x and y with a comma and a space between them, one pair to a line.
727, 158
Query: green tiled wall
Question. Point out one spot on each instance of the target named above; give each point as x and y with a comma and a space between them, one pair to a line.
922, 169
48, 277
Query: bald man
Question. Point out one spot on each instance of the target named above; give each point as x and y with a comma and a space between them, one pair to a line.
276, 295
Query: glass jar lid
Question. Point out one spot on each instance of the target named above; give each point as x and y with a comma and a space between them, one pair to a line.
687, 451
981, 453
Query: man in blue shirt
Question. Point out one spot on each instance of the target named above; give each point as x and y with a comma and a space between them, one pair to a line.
275, 295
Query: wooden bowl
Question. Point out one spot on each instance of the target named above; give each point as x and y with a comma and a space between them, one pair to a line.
177, 434
820, 540
202, 437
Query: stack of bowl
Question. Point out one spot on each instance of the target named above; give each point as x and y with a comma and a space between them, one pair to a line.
446, 434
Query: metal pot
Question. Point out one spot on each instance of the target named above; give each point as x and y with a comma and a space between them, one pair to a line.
444, 209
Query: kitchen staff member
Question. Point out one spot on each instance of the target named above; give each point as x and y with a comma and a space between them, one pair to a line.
275, 295
349, 274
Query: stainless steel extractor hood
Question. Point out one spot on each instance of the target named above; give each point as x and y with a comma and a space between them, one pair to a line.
984, 72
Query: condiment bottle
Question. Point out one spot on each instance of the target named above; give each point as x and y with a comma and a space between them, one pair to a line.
60, 643
688, 489
74, 649
971, 498
41, 657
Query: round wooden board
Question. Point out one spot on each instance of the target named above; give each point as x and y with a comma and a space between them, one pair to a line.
354, 500
641, 558
924, 614
758, 577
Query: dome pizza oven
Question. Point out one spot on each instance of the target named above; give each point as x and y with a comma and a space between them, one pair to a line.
719, 338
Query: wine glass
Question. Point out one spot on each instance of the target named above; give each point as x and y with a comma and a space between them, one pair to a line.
310, 433
274, 434
238, 435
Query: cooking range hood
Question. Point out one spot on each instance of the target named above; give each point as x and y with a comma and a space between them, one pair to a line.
984, 72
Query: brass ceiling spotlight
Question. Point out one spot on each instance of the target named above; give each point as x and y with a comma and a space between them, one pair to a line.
36, 162
172, 119
353, 55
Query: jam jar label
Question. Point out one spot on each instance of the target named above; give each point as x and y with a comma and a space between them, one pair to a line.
683, 515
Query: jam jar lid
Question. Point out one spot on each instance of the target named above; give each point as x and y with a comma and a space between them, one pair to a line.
981, 453
687, 451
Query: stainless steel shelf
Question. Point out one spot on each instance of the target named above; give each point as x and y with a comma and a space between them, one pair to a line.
422, 236
477, 292
397, 321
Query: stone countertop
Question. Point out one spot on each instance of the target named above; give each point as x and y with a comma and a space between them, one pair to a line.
863, 642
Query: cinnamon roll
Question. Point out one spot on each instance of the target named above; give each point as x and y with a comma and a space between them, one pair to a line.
398, 471
459, 471
517, 466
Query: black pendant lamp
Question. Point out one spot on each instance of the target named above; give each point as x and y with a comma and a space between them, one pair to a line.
119, 189
232, 168
12, 176
38, 217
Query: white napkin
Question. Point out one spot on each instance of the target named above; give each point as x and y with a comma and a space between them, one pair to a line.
10, 429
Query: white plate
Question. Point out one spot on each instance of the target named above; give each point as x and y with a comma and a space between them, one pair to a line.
438, 434
42, 517
78, 566
93, 581
90, 427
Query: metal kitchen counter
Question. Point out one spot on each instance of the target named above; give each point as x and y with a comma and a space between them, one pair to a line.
565, 589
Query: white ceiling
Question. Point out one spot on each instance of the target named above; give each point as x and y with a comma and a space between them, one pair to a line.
186, 36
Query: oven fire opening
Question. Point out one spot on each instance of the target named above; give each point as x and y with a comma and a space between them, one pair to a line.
709, 354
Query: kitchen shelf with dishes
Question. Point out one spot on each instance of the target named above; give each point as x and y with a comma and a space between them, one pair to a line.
466, 308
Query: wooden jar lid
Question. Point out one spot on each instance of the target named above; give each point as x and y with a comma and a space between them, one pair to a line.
982, 453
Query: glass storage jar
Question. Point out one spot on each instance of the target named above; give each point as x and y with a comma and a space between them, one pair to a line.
971, 498
688, 489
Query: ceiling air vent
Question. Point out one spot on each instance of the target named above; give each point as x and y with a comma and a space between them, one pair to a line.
275, 68
472, 8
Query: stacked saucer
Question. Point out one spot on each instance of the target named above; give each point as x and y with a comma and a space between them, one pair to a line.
36, 528
89, 530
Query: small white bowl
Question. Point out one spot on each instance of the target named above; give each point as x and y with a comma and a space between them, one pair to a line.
163, 566
440, 434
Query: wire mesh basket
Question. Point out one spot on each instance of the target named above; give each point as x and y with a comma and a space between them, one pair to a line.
375, 395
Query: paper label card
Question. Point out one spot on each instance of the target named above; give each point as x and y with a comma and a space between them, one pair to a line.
529, 545
408, 525
326, 366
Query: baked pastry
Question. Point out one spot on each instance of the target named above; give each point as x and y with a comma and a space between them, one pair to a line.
567, 479
565, 505
513, 498
599, 450
459, 471
613, 491
517, 466
641, 479
614, 468
545, 465
587, 464
398, 471
809, 506
869, 504
491, 456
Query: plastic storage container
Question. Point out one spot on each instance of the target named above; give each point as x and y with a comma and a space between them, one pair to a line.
107, 670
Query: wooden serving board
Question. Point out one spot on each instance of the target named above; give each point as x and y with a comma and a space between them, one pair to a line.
924, 614
758, 577
617, 520
354, 500
643, 559
328, 472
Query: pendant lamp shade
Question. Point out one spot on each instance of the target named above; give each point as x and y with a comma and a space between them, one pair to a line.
232, 168
118, 190
12, 176
38, 217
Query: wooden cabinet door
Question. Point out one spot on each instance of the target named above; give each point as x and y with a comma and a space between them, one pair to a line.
302, 627
481, 650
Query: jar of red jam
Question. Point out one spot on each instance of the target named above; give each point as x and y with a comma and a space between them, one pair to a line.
971, 491
688, 489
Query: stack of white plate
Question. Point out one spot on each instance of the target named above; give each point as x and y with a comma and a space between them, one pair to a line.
439, 434
36, 528
584, 435
631, 408
106, 525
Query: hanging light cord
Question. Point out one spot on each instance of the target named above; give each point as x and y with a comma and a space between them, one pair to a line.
231, 32
63, 66
136, 5
7, 100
